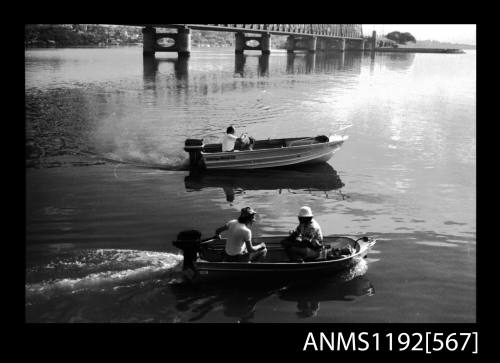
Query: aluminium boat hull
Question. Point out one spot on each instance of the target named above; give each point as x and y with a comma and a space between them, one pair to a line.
276, 263
274, 157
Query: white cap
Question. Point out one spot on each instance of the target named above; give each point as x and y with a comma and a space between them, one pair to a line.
305, 212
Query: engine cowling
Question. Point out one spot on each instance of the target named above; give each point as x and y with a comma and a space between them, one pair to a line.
189, 242
194, 148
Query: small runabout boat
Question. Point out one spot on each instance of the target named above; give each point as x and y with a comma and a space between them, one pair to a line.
268, 153
206, 257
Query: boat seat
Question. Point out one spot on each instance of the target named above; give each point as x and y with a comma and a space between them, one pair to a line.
301, 142
309, 141
269, 144
216, 254
212, 254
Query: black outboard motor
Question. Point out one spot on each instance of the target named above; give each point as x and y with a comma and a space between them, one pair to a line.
189, 242
194, 148
322, 138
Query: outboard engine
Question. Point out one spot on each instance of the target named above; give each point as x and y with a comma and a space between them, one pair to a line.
194, 148
189, 243
322, 138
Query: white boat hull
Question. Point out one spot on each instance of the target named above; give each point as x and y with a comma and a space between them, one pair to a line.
274, 157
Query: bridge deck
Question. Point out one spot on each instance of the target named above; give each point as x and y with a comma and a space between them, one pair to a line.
336, 31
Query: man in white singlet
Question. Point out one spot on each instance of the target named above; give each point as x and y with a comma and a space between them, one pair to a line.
229, 140
239, 246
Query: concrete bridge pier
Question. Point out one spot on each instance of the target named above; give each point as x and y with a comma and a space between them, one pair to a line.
290, 58
181, 67
264, 64
311, 45
342, 43
150, 68
151, 64
321, 45
240, 60
310, 63
239, 43
264, 43
149, 41
184, 42
181, 42
342, 60
374, 41
338, 45
301, 43
239, 64
290, 44
362, 45
355, 44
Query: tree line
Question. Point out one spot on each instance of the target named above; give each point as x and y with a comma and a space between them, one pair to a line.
79, 35
67, 35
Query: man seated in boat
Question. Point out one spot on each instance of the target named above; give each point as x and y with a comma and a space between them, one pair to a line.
239, 247
230, 142
306, 242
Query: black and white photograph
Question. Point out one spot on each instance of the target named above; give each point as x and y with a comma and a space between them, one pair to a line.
251, 173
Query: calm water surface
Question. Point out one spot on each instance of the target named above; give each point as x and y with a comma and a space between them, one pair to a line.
108, 189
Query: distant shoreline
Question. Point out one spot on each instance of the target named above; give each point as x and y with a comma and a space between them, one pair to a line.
205, 46
420, 50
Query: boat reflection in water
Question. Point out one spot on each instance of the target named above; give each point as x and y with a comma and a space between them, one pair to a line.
319, 177
239, 301
308, 294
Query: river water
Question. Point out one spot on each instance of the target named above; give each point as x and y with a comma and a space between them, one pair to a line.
107, 186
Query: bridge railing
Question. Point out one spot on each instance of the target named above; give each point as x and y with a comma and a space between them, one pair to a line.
326, 30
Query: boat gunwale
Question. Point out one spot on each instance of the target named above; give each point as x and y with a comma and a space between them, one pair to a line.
216, 164
259, 151
318, 263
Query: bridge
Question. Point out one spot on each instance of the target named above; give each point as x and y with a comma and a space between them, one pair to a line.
301, 37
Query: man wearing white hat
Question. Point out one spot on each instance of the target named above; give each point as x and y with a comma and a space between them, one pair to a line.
307, 239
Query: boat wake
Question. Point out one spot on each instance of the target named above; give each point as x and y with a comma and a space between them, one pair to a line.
359, 269
153, 159
100, 270
148, 160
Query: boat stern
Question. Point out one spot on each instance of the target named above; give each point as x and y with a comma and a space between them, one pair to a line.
194, 147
